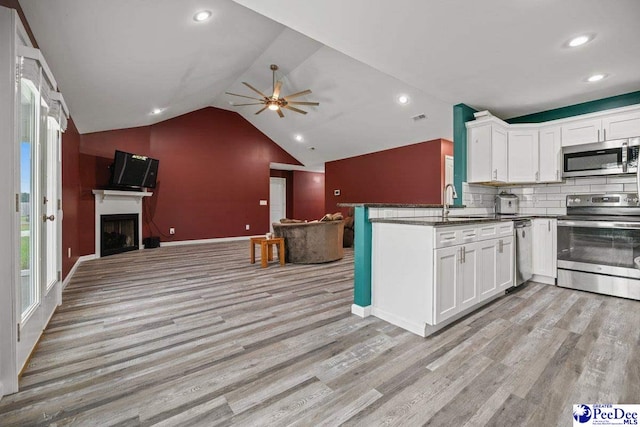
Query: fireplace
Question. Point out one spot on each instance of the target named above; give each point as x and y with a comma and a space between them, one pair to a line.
118, 233
118, 204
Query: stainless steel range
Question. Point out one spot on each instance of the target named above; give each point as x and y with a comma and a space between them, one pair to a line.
599, 244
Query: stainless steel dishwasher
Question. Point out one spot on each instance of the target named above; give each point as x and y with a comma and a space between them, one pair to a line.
524, 250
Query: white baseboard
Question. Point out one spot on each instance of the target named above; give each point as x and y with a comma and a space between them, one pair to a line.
215, 240
417, 328
358, 310
79, 261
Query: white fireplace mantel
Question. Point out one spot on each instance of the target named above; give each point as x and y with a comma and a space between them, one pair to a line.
114, 202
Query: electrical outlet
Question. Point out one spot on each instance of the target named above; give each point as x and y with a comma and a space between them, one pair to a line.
172, 230
247, 227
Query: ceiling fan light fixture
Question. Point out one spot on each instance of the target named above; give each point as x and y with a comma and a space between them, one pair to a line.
202, 16
273, 106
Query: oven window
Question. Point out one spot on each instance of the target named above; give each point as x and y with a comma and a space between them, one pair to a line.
593, 160
602, 246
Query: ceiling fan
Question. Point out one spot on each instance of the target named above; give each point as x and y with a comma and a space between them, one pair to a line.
275, 102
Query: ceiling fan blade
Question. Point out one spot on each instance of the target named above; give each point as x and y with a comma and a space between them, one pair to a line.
244, 96
302, 103
252, 103
276, 89
297, 110
262, 109
280, 113
297, 94
254, 89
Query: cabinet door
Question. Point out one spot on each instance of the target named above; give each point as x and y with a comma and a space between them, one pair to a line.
479, 154
487, 268
469, 276
581, 132
523, 155
505, 263
622, 125
550, 155
499, 151
446, 282
544, 247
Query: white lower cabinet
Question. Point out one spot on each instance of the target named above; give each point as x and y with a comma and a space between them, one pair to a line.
544, 256
424, 277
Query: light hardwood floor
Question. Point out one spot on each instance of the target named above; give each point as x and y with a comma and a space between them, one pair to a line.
195, 335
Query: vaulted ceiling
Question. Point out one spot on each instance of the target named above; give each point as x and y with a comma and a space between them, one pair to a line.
117, 60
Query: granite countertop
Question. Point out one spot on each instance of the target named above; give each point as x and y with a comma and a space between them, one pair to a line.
437, 221
396, 205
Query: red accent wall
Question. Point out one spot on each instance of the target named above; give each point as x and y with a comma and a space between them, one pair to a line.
308, 195
214, 170
409, 174
70, 197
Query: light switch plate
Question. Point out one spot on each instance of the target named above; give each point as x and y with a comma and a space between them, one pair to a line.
263, 203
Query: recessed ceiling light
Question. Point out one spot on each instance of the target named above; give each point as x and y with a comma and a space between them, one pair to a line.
203, 15
157, 111
596, 78
579, 41
299, 138
403, 99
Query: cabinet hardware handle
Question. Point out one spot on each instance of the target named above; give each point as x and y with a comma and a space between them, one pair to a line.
537, 176
598, 134
495, 174
604, 131
549, 226
50, 218
460, 256
464, 254
557, 175
500, 246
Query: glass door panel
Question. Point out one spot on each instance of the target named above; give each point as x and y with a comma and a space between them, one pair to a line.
29, 112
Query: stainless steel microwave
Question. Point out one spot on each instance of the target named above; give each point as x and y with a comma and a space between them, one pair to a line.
613, 157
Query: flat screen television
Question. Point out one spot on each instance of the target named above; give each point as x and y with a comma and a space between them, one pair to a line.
133, 171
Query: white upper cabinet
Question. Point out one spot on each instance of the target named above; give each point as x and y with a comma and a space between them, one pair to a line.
621, 125
624, 124
581, 132
523, 155
550, 154
486, 152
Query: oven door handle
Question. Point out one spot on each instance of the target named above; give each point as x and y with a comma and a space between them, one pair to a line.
599, 224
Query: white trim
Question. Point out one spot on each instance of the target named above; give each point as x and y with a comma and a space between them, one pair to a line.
200, 241
361, 311
417, 328
36, 54
79, 261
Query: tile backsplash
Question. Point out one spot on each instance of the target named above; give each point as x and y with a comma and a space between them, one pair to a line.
549, 198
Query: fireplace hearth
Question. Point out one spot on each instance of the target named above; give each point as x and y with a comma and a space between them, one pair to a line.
119, 233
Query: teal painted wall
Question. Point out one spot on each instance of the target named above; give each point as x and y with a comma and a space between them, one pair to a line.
461, 114
362, 255
577, 109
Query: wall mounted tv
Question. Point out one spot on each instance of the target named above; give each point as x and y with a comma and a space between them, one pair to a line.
133, 171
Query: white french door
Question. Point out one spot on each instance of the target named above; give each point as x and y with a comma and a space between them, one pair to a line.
39, 249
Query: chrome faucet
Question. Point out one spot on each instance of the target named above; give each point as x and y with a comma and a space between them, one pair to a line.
445, 206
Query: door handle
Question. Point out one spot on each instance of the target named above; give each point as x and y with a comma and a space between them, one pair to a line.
50, 218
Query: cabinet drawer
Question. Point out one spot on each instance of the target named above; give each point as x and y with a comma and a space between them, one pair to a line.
451, 236
505, 228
